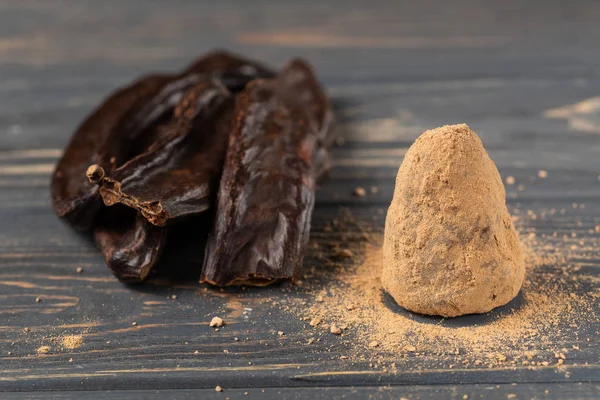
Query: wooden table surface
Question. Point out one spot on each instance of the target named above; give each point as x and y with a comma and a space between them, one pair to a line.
393, 69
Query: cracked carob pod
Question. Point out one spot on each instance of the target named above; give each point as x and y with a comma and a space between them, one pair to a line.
267, 190
115, 131
178, 175
185, 159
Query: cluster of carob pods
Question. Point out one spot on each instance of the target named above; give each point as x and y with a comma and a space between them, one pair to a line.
229, 149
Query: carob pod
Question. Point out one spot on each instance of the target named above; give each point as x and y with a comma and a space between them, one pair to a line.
74, 198
299, 88
109, 135
131, 245
267, 190
125, 125
177, 176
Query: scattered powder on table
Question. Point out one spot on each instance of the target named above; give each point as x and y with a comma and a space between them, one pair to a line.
527, 332
72, 341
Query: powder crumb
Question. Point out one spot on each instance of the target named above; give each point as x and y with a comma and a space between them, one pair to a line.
219, 389
70, 360
374, 343
315, 321
542, 174
26, 329
134, 323
72, 341
216, 322
511, 396
335, 330
410, 348
43, 350
360, 192
174, 297
280, 333
79, 270
510, 180
344, 253
311, 341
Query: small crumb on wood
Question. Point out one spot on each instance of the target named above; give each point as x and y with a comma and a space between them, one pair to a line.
315, 321
216, 322
174, 297
43, 350
70, 360
335, 329
134, 323
280, 333
26, 329
510, 180
311, 341
72, 341
344, 253
37, 300
360, 192
219, 389
542, 174
79, 270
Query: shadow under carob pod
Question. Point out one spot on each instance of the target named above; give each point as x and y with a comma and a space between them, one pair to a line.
456, 322
183, 255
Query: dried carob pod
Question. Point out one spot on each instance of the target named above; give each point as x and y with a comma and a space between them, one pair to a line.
74, 198
131, 245
126, 125
266, 194
177, 176
116, 131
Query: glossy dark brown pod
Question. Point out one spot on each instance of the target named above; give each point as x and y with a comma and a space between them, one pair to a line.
116, 131
130, 244
266, 193
300, 89
73, 196
177, 177
232, 70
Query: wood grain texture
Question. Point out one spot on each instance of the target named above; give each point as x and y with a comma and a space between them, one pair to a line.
393, 69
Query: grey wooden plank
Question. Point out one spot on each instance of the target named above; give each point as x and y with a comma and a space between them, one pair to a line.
491, 392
